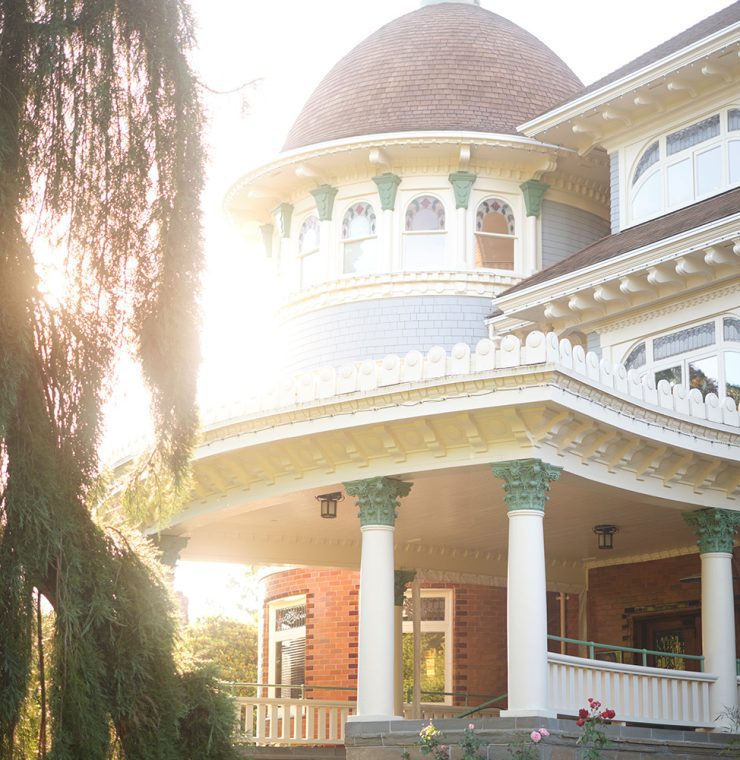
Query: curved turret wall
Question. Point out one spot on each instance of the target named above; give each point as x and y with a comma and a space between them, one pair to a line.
368, 330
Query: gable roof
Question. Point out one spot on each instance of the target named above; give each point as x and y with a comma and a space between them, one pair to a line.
652, 231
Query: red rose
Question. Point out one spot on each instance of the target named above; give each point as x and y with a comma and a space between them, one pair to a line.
583, 713
580, 722
610, 714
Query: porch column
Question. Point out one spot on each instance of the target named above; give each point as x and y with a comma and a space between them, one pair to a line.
401, 578
377, 500
715, 533
526, 483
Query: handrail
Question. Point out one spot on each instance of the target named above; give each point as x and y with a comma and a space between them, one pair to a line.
592, 645
231, 685
483, 706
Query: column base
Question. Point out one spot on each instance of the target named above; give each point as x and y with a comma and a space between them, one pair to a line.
529, 712
371, 718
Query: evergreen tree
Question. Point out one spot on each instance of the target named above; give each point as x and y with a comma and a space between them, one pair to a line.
101, 156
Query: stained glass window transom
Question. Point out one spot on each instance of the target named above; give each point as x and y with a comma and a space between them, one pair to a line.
425, 213
359, 221
636, 358
494, 235
290, 617
649, 157
309, 235
683, 341
693, 135
731, 328
733, 119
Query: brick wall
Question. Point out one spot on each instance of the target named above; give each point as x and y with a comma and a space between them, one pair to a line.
619, 595
331, 625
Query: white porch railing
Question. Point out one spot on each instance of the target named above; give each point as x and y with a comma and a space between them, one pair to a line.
635, 693
266, 721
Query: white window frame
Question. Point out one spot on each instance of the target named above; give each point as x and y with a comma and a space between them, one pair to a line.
415, 233
665, 161
683, 359
302, 255
362, 239
438, 626
501, 235
275, 637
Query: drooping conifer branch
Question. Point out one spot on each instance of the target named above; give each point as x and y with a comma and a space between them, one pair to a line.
101, 170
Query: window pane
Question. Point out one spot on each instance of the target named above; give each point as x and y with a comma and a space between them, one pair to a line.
731, 328
733, 119
649, 157
709, 171
422, 252
425, 213
680, 183
290, 665
732, 375
648, 200
636, 358
359, 221
672, 374
360, 257
287, 618
683, 340
693, 135
432, 608
704, 376
734, 150
494, 215
308, 238
494, 252
432, 666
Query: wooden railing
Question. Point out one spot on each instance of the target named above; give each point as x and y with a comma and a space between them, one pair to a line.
267, 721
637, 694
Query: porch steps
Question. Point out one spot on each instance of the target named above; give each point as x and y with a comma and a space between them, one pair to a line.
293, 752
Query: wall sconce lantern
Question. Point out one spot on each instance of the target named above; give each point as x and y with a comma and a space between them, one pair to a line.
605, 534
329, 503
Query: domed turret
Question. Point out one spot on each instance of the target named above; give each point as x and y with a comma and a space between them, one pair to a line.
448, 66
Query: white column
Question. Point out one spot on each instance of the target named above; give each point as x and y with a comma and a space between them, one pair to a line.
377, 499
526, 483
526, 606
718, 633
375, 647
460, 261
715, 534
386, 262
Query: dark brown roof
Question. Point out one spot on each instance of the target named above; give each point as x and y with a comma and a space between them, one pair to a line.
450, 66
636, 237
714, 23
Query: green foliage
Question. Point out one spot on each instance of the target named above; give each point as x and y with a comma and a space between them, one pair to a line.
207, 726
100, 156
229, 644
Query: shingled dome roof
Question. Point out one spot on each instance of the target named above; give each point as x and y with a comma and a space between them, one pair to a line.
450, 67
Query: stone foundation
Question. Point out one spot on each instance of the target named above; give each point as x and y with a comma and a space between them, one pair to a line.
387, 740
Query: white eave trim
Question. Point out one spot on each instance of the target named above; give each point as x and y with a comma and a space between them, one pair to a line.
577, 106
566, 284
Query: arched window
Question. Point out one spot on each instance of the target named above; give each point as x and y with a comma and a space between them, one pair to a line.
359, 239
494, 235
704, 356
424, 234
308, 251
687, 165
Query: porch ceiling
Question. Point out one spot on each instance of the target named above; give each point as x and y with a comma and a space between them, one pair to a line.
453, 521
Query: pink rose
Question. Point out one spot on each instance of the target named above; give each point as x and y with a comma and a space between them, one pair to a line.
471, 726
536, 737
544, 732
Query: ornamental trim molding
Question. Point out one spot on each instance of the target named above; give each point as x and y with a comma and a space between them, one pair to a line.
526, 482
377, 499
715, 529
354, 288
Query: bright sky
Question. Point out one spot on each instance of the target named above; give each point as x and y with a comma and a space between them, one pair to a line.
289, 45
